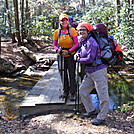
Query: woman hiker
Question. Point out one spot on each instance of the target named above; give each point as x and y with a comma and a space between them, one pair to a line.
95, 77
65, 42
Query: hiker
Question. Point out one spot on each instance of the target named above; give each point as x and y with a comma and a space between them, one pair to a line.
65, 41
95, 75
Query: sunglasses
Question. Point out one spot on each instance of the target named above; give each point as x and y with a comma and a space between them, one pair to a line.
64, 20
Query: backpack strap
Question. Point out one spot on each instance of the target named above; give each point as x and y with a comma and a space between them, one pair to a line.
69, 33
59, 33
112, 41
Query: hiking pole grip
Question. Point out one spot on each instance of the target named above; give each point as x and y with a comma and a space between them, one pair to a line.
60, 50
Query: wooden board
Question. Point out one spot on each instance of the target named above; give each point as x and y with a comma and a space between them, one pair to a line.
52, 90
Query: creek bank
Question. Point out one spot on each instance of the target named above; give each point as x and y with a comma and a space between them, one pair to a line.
16, 59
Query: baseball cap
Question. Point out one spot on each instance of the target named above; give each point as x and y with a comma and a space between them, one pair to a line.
63, 16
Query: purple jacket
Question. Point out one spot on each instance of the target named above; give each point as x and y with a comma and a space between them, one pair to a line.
90, 52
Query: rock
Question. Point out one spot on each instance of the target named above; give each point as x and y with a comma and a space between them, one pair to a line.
6, 67
29, 53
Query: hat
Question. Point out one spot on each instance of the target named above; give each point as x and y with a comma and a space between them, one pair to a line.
84, 24
63, 16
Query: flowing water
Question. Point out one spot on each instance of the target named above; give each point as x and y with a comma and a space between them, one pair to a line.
13, 91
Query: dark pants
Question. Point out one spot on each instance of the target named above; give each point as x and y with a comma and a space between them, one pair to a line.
67, 72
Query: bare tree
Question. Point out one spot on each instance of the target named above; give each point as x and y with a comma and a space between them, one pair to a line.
10, 25
118, 11
27, 12
129, 3
92, 2
128, 9
22, 19
118, 6
17, 24
82, 2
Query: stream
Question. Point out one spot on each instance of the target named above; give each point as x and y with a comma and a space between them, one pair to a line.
13, 90
12, 93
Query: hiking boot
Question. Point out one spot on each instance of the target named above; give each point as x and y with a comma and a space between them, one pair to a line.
72, 97
64, 95
97, 121
89, 114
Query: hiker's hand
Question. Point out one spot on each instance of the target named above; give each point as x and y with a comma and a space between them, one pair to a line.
60, 50
64, 52
76, 56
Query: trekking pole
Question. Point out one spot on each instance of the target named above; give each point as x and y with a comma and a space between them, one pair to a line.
62, 69
77, 110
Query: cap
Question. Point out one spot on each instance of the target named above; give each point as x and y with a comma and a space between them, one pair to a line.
62, 16
84, 24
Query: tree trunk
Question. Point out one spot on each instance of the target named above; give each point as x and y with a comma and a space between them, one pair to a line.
17, 24
129, 2
22, 20
83, 3
27, 12
0, 45
10, 25
94, 2
118, 6
118, 11
129, 10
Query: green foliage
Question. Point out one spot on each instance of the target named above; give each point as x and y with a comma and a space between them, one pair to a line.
101, 13
120, 25
121, 87
46, 22
125, 31
41, 26
44, 17
126, 107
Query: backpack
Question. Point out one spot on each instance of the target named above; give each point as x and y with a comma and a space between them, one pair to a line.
111, 52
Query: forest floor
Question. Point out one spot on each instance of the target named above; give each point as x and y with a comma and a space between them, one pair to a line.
66, 122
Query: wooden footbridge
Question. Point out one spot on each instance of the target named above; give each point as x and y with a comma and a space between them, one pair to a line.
44, 96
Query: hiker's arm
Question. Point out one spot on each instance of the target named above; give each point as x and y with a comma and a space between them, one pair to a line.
90, 51
55, 42
75, 40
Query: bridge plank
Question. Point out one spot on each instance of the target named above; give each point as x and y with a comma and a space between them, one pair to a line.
45, 94
51, 93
